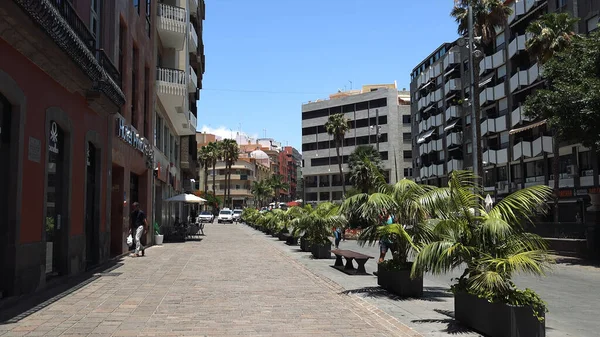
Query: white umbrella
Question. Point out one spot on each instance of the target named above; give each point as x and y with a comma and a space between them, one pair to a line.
188, 198
488, 203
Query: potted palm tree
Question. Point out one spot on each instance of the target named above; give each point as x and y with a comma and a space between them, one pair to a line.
316, 225
158, 238
411, 229
492, 245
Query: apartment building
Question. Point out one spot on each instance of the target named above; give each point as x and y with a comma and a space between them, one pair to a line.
59, 90
517, 151
379, 115
291, 159
180, 65
132, 25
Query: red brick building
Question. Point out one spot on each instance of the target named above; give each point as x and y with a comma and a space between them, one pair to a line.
60, 93
290, 160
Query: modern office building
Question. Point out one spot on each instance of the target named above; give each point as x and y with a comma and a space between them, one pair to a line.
379, 115
179, 70
59, 92
517, 152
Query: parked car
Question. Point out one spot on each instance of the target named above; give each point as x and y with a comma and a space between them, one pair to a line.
237, 215
225, 215
206, 216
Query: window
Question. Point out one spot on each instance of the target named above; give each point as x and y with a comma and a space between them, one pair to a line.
148, 18
406, 136
165, 143
407, 154
146, 115
94, 21
136, 4
158, 132
504, 137
561, 3
500, 40
502, 173
469, 148
122, 30
134, 84
592, 24
405, 119
408, 172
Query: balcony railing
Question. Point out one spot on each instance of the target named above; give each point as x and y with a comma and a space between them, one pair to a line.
68, 13
108, 66
171, 12
173, 76
193, 38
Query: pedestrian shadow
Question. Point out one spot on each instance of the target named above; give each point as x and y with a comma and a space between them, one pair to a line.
13, 310
430, 294
453, 326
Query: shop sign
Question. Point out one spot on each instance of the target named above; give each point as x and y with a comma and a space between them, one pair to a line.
129, 135
565, 193
53, 141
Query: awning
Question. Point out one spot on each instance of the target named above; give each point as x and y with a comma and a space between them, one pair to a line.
484, 82
450, 72
451, 97
428, 108
425, 136
527, 127
451, 125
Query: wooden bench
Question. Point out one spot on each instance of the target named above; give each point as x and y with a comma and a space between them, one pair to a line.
349, 255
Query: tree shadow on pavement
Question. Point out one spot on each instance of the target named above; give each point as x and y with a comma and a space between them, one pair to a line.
576, 261
453, 326
14, 309
430, 294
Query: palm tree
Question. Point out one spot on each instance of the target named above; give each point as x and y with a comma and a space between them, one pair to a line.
487, 16
214, 154
231, 153
261, 189
404, 201
489, 241
364, 163
337, 126
205, 162
551, 34
277, 184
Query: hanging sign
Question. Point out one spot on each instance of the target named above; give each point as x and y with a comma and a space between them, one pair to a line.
53, 141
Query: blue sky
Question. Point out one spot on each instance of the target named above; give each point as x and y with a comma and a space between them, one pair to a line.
264, 58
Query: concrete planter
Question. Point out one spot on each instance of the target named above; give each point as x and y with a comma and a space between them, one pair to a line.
321, 251
497, 319
282, 236
304, 245
158, 239
398, 282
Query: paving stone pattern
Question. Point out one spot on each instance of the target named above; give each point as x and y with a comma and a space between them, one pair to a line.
231, 283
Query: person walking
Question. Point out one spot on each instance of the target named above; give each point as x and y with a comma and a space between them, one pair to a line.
139, 227
384, 242
338, 236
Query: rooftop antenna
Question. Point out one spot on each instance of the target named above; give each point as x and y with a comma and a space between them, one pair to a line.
350, 84
265, 132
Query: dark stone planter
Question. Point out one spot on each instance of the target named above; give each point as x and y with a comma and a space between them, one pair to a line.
497, 319
304, 245
399, 282
291, 240
321, 251
282, 236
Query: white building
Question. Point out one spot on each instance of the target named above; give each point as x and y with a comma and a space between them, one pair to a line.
379, 116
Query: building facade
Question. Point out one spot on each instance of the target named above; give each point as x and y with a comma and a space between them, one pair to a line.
59, 94
292, 160
517, 151
379, 116
131, 132
179, 72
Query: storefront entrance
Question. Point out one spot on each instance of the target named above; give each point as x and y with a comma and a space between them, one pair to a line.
117, 203
91, 208
56, 203
5, 134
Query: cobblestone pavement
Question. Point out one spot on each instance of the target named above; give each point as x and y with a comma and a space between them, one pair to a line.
232, 283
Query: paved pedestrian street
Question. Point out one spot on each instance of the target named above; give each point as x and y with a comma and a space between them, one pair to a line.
231, 283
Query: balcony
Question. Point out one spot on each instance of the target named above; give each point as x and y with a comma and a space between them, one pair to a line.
491, 94
493, 125
520, 8
496, 156
525, 78
192, 83
532, 149
452, 85
193, 40
193, 7
191, 124
171, 87
432, 171
108, 66
451, 58
517, 117
491, 62
452, 112
454, 165
454, 139
172, 26
518, 44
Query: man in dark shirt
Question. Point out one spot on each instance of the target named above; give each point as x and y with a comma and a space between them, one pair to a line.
139, 228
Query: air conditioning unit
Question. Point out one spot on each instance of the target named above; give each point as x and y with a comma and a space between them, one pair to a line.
501, 185
572, 170
513, 185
